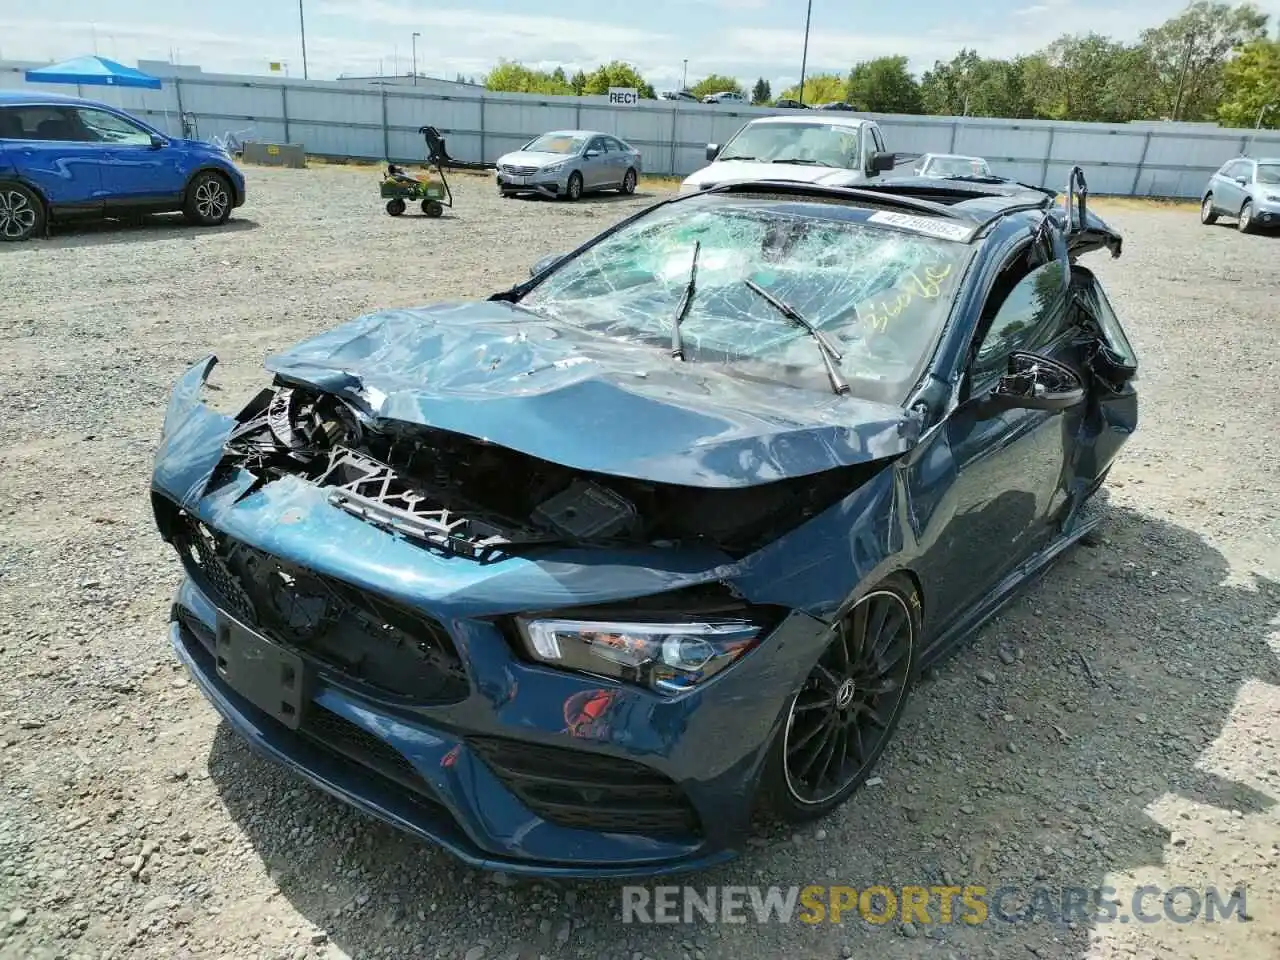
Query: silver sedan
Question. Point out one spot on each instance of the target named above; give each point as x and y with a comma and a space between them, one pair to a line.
1246, 189
569, 163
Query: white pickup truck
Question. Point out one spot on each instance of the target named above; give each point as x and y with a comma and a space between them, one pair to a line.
829, 148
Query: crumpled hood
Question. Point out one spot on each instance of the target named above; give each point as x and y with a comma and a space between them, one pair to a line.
495, 372
723, 171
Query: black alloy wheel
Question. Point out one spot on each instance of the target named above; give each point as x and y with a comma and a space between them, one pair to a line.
844, 714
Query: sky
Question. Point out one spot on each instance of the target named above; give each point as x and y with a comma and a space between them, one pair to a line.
742, 38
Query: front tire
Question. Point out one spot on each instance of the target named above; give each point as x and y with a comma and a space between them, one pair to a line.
1245, 223
629, 183
21, 213
432, 208
209, 200
573, 190
844, 714
395, 207
1207, 216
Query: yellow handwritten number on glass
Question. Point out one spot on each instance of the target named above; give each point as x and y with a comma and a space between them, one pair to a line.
928, 287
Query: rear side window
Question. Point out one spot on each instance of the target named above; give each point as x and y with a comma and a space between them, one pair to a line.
37, 123
617, 145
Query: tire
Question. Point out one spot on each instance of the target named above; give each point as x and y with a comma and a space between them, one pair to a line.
1245, 222
847, 707
432, 208
628, 183
1207, 216
573, 190
395, 207
22, 213
209, 200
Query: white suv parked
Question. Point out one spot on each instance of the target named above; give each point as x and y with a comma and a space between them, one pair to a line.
831, 148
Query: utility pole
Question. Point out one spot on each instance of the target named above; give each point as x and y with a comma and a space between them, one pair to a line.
804, 57
1182, 76
684, 77
302, 26
416, 35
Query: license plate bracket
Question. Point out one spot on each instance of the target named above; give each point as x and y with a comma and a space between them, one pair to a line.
275, 680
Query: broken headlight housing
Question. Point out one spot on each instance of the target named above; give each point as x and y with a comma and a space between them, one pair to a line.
669, 658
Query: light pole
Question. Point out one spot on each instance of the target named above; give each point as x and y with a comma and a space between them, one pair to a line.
684, 77
804, 57
302, 27
416, 35
1262, 113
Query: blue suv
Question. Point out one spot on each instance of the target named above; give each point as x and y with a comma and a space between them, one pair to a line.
63, 157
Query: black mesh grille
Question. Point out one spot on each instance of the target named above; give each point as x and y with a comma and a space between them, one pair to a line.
363, 635
589, 791
341, 736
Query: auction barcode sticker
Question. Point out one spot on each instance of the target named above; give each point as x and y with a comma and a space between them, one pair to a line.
930, 226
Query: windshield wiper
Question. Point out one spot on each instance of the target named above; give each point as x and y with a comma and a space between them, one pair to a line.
816, 163
830, 355
686, 301
736, 156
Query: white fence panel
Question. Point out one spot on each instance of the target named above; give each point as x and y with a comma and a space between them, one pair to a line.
379, 122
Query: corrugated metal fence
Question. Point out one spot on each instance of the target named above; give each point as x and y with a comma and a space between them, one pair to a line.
382, 123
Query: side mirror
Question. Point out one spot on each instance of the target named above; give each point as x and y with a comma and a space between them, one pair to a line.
545, 264
591, 153
713, 151
1034, 382
882, 162
1243, 181
157, 142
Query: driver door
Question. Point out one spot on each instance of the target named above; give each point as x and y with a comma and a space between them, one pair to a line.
1006, 468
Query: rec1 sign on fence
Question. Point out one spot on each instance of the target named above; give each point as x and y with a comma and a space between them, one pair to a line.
623, 96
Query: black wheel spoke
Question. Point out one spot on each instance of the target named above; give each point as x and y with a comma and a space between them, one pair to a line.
821, 748
800, 743
827, 679
827, 752
810, 703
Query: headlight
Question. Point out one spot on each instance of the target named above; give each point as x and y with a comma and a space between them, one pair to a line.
1273, 197
668, 657
553, 168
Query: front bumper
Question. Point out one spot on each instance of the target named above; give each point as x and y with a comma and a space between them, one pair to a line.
432, 772
1266, 213
547, 184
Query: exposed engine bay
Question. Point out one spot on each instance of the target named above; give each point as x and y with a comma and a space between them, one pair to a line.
472, 498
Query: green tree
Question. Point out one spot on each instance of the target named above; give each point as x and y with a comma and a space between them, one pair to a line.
761, 93
883, 85
511, 77
1090, 77
716, 83
978, 86
1202, 40
819, 88
616, 74
578, 82
1251, 85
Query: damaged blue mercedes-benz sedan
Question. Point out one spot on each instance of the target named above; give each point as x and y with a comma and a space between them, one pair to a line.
577, 579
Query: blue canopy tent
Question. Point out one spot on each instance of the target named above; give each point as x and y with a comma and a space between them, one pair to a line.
93, 72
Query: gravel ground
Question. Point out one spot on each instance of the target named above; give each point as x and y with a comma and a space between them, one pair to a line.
1119, 725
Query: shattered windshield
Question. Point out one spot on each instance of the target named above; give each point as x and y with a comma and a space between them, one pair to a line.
879, 295
1269, 173
822, 144
556, 143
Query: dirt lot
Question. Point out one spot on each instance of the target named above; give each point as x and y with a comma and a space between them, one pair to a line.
1118, 726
